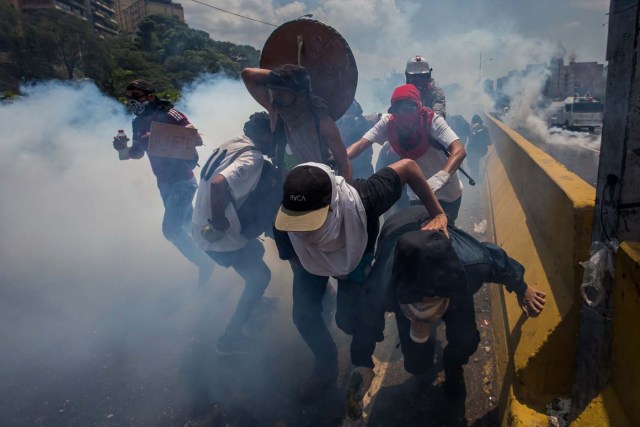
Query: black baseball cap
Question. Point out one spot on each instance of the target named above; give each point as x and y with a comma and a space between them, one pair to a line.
425, 265
306, 199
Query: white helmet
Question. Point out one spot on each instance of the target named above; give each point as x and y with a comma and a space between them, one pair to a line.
417, 65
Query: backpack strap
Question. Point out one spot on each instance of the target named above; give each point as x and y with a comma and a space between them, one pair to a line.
217, 157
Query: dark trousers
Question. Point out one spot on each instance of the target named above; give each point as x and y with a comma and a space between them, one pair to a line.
248, 262
308, 291
462, 340
177, 198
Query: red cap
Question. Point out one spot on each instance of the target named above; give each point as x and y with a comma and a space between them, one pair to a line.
406, 92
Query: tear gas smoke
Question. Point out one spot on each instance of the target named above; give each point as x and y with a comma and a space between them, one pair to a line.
100, 316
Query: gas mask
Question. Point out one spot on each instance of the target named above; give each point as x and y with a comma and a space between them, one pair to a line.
421, 81
137, 107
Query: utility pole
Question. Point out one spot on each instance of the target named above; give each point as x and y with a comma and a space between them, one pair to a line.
617, 210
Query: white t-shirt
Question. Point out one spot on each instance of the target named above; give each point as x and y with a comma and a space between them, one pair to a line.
242, 176
430, 162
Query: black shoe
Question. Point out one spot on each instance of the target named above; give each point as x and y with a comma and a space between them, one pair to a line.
454, 386
228, 345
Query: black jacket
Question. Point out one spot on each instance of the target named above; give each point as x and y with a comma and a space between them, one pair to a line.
483, 262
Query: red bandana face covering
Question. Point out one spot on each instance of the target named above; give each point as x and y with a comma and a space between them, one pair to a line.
414, 126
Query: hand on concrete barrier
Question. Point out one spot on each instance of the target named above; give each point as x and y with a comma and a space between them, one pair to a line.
532, 301
438, 180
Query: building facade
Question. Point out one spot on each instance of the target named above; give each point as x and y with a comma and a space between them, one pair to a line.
100, 14
131, 12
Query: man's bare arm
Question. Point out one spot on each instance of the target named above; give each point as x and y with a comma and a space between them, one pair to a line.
410, 173
358, 147
220, 198
255, 80
457, 153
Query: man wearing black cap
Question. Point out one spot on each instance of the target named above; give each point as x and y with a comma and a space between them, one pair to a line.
304, 130
423, 277
175, 178
328, 229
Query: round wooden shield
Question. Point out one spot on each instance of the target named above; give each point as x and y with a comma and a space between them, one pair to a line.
323, 52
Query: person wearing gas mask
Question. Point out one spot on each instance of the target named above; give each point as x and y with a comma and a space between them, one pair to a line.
304, 131
423, 277
418, 73
418, 133
328, 228
227, 180
174, 177
352, 125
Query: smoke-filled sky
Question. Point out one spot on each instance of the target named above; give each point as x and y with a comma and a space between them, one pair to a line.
451, 34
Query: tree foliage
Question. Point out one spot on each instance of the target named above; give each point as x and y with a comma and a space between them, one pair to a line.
47, 44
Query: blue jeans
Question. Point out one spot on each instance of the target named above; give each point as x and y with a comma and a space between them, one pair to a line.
177, 198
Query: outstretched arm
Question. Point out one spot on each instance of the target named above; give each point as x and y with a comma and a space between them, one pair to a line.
410, 173
531, 301
358, 147
457, 153
510, 272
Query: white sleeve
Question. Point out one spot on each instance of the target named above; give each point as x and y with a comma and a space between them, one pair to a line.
243, 174
441, 131
378, 133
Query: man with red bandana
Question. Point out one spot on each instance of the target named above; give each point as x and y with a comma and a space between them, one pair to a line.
417, 132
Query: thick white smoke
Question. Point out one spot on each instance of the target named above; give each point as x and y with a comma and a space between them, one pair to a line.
97, 310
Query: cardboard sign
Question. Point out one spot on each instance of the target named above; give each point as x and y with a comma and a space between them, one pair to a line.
173, 141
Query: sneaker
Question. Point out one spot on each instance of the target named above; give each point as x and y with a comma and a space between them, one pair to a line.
318, 382
228, 345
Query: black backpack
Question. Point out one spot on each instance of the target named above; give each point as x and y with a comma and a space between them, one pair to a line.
259, 209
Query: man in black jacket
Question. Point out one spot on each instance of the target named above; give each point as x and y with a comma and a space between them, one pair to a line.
422, 277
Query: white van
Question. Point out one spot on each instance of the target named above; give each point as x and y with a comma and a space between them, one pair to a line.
577, 112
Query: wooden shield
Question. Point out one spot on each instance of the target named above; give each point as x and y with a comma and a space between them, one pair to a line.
323, 52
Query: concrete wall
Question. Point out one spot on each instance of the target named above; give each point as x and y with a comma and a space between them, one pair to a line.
619, 403
541, 214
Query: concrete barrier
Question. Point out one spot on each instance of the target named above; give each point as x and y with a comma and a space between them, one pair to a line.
619, 403
542, 215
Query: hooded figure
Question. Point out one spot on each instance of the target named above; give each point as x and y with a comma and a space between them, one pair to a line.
423, 276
